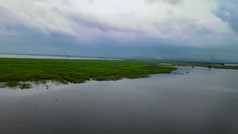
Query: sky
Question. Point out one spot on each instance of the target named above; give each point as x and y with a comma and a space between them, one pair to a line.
121, 28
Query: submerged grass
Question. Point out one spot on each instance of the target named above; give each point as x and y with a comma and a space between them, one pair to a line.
17, 72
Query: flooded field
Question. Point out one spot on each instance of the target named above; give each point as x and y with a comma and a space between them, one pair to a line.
191, 100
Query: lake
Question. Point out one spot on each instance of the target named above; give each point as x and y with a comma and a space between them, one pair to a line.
203, 101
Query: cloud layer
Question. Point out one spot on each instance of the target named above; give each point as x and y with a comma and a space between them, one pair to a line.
196, 23
227, 11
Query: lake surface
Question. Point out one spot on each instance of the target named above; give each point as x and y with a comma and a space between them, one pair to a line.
199, 102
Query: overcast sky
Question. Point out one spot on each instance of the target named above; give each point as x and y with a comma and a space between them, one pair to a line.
124, 28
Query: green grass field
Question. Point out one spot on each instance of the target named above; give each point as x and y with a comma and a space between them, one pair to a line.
15, 72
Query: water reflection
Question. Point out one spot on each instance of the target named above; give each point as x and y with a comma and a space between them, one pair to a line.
200, 101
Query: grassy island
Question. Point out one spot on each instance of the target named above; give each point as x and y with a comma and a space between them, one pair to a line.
16, 72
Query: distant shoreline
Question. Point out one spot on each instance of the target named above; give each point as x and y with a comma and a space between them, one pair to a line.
59, 56
36, 56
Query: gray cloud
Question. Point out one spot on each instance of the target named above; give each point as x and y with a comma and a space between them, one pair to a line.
99, 28
227, 11
168, 1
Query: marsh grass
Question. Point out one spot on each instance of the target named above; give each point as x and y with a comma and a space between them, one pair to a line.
18, 72
25, 86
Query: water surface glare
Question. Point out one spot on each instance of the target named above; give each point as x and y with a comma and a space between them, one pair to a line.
202, 101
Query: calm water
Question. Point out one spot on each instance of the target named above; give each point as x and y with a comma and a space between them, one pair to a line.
202, 101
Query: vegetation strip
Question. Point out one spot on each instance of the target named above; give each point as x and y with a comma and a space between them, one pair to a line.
198, 64
18, 72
